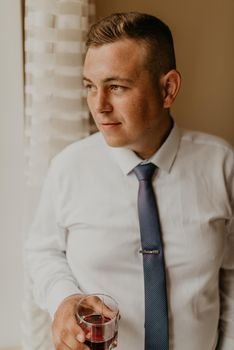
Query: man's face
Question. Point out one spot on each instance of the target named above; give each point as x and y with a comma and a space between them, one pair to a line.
123, 100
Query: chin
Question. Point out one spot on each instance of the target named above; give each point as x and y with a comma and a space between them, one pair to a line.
115, 141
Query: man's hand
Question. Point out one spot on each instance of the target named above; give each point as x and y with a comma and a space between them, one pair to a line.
67, 334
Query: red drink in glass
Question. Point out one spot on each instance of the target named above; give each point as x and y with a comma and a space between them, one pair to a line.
98, 340
98, 315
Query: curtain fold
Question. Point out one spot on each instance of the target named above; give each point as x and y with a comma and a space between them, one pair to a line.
55, 109
56, 113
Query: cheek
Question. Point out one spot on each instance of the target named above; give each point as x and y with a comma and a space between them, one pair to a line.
132, 108
89, 102
138, 112
91, 106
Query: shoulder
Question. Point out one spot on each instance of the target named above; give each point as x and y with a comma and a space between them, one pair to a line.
84, 150
209, 151
206, 145
205, 140
94, 140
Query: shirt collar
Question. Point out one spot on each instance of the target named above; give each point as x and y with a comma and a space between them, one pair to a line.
163, 158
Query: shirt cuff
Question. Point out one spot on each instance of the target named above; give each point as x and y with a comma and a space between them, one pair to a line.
60, 291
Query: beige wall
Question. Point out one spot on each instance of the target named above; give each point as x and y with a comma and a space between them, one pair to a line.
10, 348
204, 40
11, 173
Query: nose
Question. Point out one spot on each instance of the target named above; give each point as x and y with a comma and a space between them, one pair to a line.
102, 102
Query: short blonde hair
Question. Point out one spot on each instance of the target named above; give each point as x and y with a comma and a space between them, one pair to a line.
147, 29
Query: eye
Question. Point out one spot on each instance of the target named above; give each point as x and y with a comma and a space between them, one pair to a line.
117, 88
90, 87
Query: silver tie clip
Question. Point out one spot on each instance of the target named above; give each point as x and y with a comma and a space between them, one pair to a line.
146, 251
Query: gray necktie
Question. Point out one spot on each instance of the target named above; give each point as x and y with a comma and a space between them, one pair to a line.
156, 314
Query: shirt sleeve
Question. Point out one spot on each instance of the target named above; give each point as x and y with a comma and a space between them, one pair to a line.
45, 249
226, 338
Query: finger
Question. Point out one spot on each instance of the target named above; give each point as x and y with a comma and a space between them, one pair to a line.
101, 308
78, 333
69, 338
71, 342
59, 345
94, 304
77, 346
80, 337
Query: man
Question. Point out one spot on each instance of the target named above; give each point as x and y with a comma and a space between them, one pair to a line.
86, 236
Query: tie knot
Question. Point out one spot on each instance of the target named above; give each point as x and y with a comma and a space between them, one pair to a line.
145, 171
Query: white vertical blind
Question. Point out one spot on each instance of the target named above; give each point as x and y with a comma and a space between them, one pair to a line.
55, 112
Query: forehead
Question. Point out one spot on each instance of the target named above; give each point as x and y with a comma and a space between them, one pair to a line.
123, 56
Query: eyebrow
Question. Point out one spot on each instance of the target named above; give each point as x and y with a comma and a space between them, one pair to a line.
113, 78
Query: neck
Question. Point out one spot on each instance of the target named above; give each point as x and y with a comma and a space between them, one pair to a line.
160, 138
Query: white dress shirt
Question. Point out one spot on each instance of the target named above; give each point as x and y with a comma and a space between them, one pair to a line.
85, 236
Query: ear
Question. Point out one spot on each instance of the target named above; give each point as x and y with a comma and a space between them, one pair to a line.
170, 83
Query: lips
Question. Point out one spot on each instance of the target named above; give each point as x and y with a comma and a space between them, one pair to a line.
109, 125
